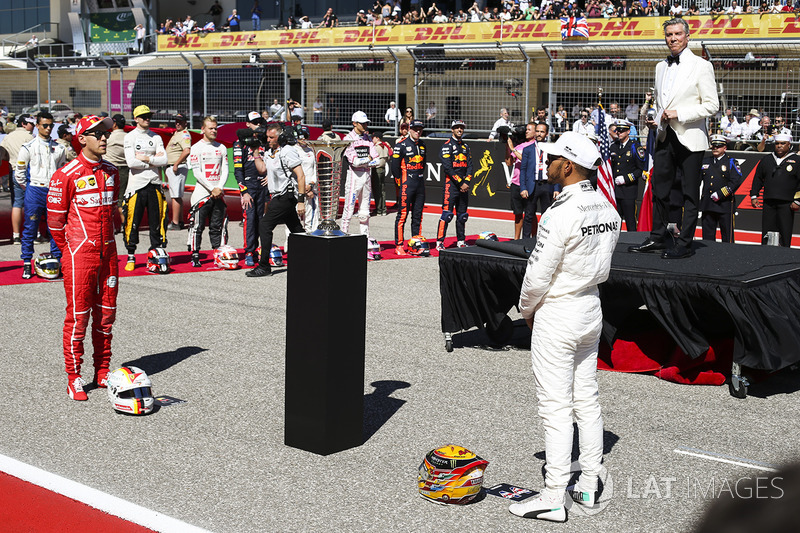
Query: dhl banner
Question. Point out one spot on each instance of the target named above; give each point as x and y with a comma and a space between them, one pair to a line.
617, 29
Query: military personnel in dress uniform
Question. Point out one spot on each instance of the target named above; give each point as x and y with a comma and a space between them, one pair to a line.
627, 164
721, 177
779, 175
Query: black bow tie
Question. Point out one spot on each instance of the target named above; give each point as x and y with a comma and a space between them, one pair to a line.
673, 59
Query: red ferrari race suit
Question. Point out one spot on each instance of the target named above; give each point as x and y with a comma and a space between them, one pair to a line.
80, 211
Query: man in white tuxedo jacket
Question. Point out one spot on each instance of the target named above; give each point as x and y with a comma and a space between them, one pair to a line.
686, 95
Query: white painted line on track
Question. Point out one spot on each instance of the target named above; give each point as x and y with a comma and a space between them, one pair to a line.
738, 461
95, 498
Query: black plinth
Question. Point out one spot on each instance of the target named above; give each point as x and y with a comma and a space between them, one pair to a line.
325, 328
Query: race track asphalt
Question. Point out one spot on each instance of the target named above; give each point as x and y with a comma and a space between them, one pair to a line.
216, 340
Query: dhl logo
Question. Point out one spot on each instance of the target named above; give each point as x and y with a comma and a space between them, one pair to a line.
243, 40
707, 27
521, 31
298, 38
365, 36
440, 33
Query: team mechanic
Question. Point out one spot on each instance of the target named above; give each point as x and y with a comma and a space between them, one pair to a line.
457, 165
561, 303
408, 162
144, 154
36, 162
80, 208
250, 173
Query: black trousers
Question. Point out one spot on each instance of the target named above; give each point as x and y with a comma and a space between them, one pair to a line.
542, 196
254, 214
670, 157
216, 212
280, 210
724, 220
777, 215
151, 198
410, 200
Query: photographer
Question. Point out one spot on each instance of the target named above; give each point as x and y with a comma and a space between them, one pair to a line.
765, 135
287, 205
250, 171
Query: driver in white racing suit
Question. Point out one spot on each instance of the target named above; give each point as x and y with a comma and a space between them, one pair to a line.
560, 302
362, 156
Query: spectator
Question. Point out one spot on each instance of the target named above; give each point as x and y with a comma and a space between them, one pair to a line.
291, 23
584, 126
592, 10
305, 23
716, 8
140, 35
748, 7
637, 10
275, 110
329, 20
500, 122
255, 16
430, 115
216, 13
733, 9
764, 8
33, 42
392, 115
776, 7
234, 21
439, 18
408, 116
693, 10
474, 12
318, 107
361, 18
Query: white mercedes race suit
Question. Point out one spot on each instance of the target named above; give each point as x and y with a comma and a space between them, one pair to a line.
576, 239
358, 186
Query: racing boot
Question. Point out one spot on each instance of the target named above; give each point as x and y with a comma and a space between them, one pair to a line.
196, 260
26, 270
131, 264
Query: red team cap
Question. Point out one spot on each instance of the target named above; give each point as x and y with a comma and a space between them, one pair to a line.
90, 122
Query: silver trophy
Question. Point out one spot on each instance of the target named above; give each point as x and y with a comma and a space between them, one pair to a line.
329, 170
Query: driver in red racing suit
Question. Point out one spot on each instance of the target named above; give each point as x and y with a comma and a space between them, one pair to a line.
80, 211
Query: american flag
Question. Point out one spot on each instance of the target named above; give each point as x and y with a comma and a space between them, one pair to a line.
605, 176
645, 222
574, 27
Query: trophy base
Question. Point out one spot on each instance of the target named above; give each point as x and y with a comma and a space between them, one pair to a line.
328, 228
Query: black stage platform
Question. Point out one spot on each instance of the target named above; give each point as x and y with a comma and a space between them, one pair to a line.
748, 293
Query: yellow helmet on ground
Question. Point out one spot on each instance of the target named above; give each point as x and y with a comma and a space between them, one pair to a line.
451, 474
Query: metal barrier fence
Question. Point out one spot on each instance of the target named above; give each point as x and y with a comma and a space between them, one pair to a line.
470, 83
339, 82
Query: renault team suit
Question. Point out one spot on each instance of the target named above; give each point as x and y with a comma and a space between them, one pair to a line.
37, 161
209, 163
81, 204
408, 162
144, 189
457, 165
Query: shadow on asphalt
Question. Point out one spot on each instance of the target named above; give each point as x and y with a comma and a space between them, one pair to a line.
517, 337
158, 362
786, 381
379, 406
